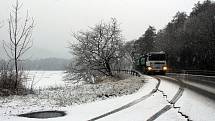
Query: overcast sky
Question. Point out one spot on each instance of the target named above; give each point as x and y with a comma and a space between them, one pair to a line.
56, 19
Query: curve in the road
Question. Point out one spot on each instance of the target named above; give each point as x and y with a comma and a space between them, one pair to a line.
204, 81
129, 104
172, 102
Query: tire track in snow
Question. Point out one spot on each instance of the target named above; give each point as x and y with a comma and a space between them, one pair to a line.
160, 112
172, 103
129, 104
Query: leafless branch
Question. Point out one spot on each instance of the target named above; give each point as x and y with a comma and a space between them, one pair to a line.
19, 36
97, 49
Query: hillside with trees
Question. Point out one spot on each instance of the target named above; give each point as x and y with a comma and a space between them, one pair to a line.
189, 40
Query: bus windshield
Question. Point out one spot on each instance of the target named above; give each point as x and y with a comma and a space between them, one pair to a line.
157, 57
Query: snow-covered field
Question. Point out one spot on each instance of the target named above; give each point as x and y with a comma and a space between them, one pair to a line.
85, 102
45, 79
51, 94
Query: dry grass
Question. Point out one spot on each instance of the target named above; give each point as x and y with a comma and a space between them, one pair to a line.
7, 81
107, 88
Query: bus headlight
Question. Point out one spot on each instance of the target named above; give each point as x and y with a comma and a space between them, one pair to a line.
149, 68
165, 68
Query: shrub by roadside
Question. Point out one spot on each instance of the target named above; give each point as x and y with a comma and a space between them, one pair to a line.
57, 97
90, 92
7, 81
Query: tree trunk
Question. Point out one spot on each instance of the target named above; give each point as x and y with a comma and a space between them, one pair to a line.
17, 74
16, 67
108, 69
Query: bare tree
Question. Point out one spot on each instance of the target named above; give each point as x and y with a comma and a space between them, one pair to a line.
97, 49
19, 37
129, 49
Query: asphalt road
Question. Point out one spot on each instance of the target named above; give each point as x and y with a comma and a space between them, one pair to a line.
197, 84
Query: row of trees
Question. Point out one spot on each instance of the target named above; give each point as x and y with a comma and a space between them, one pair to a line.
189, 40
46, 64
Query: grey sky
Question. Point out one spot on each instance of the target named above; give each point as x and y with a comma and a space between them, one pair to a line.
56, 19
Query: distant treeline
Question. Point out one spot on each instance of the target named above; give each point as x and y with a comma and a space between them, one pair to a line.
44, 64
189, 40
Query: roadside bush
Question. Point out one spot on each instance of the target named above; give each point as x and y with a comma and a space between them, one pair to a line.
7, 81
107, 87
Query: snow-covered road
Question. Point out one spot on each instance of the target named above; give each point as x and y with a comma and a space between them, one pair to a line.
188, 106
195, 105
152, 101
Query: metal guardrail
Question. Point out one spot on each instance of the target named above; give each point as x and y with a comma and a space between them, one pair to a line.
199, 76
206, 80
202, 76
131, 72
195, 72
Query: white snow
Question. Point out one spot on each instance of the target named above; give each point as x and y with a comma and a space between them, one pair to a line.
197, 107
171, 115
45, 79
14, 105
169, 88
194, 105
144, 110
85, 111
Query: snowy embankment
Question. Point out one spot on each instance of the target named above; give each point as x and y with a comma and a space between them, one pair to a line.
90, 92
140, 111
75, 112
57, 97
